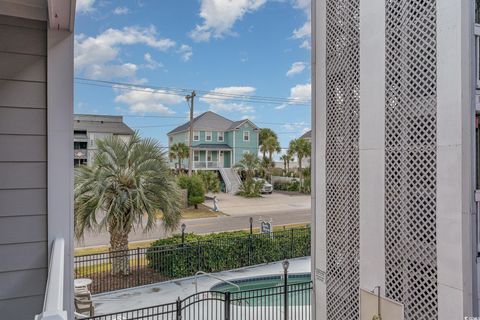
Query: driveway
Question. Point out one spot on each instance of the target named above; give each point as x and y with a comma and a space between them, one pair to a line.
268, 203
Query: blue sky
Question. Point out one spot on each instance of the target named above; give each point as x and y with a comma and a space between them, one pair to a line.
248, 47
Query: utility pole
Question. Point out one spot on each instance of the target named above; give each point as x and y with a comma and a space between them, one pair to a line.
190, 98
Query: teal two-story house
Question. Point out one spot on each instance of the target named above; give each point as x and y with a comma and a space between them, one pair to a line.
217, 141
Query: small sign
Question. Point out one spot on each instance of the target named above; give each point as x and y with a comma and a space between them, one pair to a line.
266, 227
320, 275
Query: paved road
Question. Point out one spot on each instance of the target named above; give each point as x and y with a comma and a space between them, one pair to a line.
208, 225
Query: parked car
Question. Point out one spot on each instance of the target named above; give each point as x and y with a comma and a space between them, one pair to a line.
267, 187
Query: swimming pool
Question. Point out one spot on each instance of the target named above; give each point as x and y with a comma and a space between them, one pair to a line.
271, 290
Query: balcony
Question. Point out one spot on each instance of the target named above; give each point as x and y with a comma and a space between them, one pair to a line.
206, 165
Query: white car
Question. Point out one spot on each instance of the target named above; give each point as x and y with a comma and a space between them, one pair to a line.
267, 187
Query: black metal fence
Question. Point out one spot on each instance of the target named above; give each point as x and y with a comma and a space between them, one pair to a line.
157, 264
284, 302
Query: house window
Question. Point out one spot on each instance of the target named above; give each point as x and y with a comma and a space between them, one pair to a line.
196, 135
196, 156
208, 135
220, 136
171, 139
246, 135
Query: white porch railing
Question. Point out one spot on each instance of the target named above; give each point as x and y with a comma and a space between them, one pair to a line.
53, 303
206, 164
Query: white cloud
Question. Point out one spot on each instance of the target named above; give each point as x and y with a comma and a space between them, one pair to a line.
305, 45
151, 63
219, 100
185, 52
296, 68
300, 93
121, 10
305, 30
297, 126
219, 16
98, 57
85, 6
146, 100
101, 71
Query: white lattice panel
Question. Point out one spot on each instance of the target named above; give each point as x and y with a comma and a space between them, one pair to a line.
342, 159
410, 163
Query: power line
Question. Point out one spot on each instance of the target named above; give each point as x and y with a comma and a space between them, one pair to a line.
184, 91
210, 95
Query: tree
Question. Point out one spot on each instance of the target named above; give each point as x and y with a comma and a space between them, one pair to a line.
210, 181
263, 136
249, 163
179, 151
195, 189
270, 145
129, 181
286, 158
301, 148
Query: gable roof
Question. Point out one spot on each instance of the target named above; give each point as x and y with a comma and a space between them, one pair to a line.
307, 135
210, 121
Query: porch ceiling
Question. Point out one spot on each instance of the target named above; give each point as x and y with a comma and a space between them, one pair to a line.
212, 146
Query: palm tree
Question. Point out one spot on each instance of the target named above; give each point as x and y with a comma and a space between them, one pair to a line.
271, 145
179, 151
129, 181
249, 163
263, 135
301, 148
286, 158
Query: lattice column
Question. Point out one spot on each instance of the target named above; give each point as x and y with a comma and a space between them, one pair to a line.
342, 158
410, 159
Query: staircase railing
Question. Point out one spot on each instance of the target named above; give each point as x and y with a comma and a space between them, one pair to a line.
226, 179
53, 303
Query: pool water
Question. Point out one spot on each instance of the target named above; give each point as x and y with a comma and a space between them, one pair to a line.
271, 293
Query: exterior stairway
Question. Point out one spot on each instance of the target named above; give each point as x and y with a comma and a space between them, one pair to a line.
231, 179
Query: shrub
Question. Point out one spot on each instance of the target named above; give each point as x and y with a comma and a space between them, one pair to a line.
225, 251
210, 181
195, 189
251, 189
282, 186
293, 186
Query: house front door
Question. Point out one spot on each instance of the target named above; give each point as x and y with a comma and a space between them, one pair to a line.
220, 159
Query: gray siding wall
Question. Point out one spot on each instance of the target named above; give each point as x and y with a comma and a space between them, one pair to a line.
23, 167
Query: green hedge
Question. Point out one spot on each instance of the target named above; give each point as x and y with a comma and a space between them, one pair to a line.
225, 251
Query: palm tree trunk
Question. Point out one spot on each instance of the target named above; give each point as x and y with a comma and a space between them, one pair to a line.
119, 253
179, 164
300, 172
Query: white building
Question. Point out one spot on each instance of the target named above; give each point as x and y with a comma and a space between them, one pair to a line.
88, 128
393, 114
